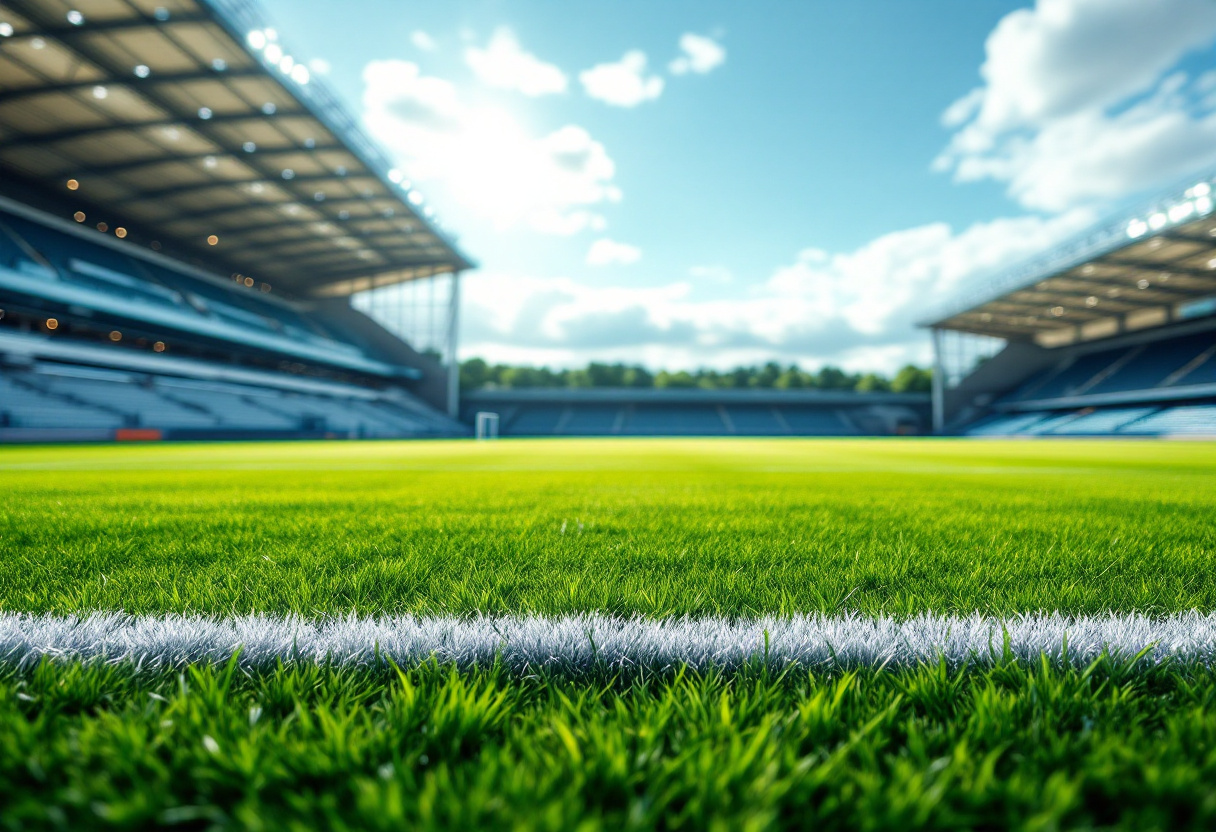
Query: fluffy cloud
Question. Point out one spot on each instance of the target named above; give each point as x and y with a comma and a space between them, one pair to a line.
624, 83
856, 308
503, 64
700, 55
423, 41
1078, 101
605, 252
484, 157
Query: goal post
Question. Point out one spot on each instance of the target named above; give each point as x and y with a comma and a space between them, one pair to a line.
487, 425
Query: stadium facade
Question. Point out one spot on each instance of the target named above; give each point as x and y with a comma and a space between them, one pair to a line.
1113, 333
185, 214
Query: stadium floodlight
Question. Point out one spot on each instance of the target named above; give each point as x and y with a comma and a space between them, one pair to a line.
256, 40
487, 425
219, 65
249, 147
142, 71
1137, 228
1157, 221
300, 75
287, 64
204, 113
273, 53
1203, 205
415, 198
396, 175
269, 108
100, 92
1181, 211
6, 30
75, 18
1202, 189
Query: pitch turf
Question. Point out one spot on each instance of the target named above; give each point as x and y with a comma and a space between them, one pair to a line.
660, 527
732, 528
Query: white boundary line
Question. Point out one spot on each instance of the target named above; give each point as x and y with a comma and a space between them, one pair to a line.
582, 642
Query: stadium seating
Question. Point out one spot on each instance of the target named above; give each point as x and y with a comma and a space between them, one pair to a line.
55, 396
55, 267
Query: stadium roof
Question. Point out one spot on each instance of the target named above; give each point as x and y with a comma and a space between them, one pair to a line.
186, 123
1150, 268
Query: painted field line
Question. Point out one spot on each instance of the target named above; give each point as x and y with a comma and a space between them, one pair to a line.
582, 642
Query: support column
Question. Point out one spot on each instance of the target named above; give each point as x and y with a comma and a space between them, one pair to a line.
939, 382
453, 348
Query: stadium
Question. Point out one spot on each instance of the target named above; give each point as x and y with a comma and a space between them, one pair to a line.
264, 570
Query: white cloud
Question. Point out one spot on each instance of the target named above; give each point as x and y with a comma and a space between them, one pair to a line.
711, 274
423, 41
606, 252
701, 55
854, 308
624, 83
503, 64
1079, 102
483, 157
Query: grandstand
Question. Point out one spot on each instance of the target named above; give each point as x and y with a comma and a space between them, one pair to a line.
1112, 334
698, 412
185, 214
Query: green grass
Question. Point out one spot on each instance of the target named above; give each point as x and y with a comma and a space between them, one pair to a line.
727, 527
730, 527
1009, 747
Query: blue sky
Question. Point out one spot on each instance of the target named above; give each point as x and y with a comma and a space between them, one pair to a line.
709, 183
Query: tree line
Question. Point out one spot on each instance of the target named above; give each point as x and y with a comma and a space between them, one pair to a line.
476, 373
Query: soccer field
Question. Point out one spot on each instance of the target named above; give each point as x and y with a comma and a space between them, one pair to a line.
746, 536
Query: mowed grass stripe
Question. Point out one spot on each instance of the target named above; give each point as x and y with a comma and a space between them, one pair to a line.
593, 643
730, 527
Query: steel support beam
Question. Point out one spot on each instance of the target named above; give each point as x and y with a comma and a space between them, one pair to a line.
939, 382
453, 348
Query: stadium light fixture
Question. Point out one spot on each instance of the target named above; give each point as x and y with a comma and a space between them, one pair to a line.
159, 346
300, 74
38, 43
1203, 205
415, 198
6, 29
73, 184
75, 18
1202, 189
210, 162
249, 147
273, 53
268, 108
79, 216
52, 323
219, 65
100, 92
120, 232
288, 173
213, 240
204, 113
115, 336
142, 71
1091, 301
103, 227
1157, 221
1181, 211
256, 40
287, 64
1142, 283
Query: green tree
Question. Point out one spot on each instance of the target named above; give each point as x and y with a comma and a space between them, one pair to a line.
872, 383
912, 379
